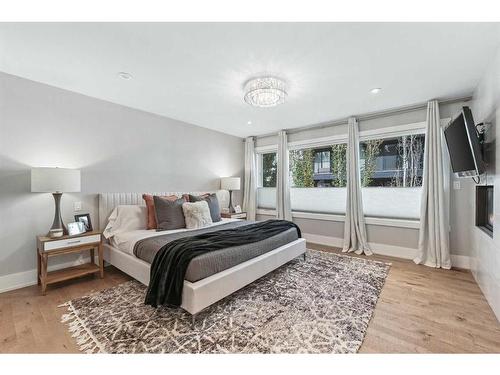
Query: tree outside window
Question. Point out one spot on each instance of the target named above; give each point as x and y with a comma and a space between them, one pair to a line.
318, 167
269, 170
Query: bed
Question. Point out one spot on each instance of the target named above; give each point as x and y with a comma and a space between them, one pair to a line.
203, 285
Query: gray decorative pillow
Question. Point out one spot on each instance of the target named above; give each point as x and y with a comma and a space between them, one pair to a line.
197, 214
213, 204
169, 214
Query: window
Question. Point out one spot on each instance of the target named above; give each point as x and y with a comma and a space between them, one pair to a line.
318, 179
318, 167
391, 169
267, 169
322, 161
392, 162
391, 176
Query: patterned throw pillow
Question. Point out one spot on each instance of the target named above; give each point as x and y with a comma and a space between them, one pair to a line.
197, 214
213, 204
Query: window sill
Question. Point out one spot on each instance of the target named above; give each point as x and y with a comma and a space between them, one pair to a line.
486, 230
398, 223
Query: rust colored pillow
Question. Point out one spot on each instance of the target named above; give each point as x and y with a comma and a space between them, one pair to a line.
150, 204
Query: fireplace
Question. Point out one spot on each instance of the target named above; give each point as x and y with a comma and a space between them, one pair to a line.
484, 208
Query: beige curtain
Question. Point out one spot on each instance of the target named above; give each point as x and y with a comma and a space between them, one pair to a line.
433, 243
283, 205
355, 238
250, 189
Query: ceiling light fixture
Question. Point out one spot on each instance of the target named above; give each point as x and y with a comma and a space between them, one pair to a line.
376, 90
249, 122
124, 75
265, 92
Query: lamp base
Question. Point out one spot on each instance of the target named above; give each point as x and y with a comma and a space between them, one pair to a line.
58, 226
231, 208
54, 233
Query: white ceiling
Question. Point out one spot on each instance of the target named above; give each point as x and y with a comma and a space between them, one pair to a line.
195, 72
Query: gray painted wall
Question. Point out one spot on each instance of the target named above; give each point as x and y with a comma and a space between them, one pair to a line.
485, 251
401, 237
118, 149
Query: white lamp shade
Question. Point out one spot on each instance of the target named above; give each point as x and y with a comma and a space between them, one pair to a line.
230, 183
55, 180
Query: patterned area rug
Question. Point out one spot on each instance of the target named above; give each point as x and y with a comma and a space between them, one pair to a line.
321, 305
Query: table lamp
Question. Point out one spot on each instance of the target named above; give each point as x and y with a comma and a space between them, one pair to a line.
230, 183
56, 181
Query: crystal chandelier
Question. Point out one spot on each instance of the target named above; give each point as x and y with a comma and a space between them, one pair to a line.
265, 92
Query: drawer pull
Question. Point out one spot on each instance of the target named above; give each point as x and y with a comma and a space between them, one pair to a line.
76, 241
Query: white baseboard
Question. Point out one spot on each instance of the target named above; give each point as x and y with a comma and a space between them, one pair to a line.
377, 248
27, 278
393, 251
323, 240
459, 261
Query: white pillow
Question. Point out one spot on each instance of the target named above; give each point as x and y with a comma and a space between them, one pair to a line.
126, 218
197, 214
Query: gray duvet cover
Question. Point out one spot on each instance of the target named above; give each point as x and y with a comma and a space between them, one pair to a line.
216, 261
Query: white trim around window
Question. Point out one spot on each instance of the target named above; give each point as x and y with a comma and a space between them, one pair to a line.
318, 142
393, 131
266, 149
399, 223
364, 135
387, 132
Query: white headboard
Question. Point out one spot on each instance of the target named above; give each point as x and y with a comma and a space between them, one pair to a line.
108, 201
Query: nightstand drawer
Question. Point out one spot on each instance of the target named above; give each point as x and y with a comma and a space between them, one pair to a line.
70, 242
234, 215
239, 216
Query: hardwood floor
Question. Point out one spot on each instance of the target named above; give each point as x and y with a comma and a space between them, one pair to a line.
420, 310
30, 322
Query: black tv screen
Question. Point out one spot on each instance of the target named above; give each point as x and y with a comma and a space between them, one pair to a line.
463, 145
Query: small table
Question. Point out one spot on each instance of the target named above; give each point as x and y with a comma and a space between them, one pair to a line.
234, 215
48, 247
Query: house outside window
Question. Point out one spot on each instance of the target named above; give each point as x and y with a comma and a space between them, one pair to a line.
318, 167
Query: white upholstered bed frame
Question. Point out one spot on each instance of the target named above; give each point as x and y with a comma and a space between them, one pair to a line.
200, 294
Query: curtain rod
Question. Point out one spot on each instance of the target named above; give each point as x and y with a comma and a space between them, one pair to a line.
368, 116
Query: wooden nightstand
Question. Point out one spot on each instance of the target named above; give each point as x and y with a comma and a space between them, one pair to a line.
234, 215
48, 247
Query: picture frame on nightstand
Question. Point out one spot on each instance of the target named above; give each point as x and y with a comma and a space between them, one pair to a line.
85, 219
76, 228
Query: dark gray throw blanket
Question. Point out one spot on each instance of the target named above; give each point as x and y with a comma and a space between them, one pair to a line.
170, 263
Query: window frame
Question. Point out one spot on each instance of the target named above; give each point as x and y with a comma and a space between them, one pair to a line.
383, 139
259, 151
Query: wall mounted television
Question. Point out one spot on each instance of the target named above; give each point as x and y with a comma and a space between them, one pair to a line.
464, 145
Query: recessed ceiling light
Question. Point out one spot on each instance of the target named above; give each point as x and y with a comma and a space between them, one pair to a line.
375, 90
249, 122
124, 75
